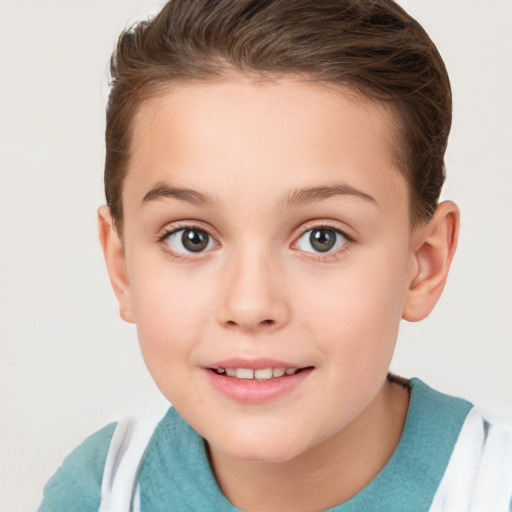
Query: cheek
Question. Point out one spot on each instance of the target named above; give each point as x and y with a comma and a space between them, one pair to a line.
358, 311
170, 324
170, 313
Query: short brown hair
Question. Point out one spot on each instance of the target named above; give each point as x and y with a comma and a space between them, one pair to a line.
372, 46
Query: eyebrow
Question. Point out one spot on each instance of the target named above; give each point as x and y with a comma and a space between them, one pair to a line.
308, 195
163, 190
297, 197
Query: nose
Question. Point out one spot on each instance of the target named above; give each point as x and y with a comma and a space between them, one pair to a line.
254, 296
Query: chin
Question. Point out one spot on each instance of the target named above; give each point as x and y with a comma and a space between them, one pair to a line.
262, 450
265, 437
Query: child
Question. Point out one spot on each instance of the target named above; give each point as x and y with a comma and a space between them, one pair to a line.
272, 177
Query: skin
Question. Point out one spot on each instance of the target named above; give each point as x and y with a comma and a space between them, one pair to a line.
261, 290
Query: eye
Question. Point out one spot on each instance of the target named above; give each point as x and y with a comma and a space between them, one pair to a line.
322, 239
189, 240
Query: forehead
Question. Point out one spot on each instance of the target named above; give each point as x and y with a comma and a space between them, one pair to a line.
230, 136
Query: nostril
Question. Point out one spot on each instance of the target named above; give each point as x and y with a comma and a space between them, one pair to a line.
264, 324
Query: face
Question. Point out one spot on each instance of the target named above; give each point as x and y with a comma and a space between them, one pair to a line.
268, 256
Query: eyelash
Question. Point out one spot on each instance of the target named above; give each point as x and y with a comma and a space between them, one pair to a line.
185, 257
317, 256
326, 256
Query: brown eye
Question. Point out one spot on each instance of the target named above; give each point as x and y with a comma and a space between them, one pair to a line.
189, 240
195, 240
322, 239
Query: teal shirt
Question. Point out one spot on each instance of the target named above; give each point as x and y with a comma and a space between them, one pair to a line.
176, 475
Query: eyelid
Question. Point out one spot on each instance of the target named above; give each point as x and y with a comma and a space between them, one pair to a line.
175, 227
347, 232
172, 227
324, 224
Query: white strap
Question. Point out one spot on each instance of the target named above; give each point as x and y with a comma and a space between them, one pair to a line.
493, 490
127, 447
478, 477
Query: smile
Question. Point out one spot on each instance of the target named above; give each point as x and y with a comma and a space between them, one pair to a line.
260, 374
256, 380
256, 385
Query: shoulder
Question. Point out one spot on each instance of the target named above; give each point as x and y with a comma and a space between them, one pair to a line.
176, 472
479, 473
77, 483
433, 424
450, 455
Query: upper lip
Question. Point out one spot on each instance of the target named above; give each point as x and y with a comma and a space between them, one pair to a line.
254, 364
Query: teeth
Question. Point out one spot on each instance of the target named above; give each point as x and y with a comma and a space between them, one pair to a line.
278, 372
261, 374
244, 373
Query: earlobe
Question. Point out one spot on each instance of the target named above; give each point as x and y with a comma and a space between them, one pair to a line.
115, 261
434, 246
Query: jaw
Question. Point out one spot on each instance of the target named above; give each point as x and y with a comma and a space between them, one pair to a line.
289, 466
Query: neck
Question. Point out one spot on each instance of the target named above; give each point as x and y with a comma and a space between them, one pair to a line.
327, 474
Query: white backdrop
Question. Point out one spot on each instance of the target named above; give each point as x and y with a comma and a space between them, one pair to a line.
69, 365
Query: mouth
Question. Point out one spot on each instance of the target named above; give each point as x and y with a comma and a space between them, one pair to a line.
255, 381
261, 374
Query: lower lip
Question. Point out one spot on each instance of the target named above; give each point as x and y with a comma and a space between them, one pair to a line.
250, 391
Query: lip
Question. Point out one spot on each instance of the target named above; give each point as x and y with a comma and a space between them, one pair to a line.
255, 391
253, 364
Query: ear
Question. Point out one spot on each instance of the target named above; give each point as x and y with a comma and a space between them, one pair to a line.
116, 264
434, 245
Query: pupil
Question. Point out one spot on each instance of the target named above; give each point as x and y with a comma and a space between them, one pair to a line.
194, 240
323, 239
